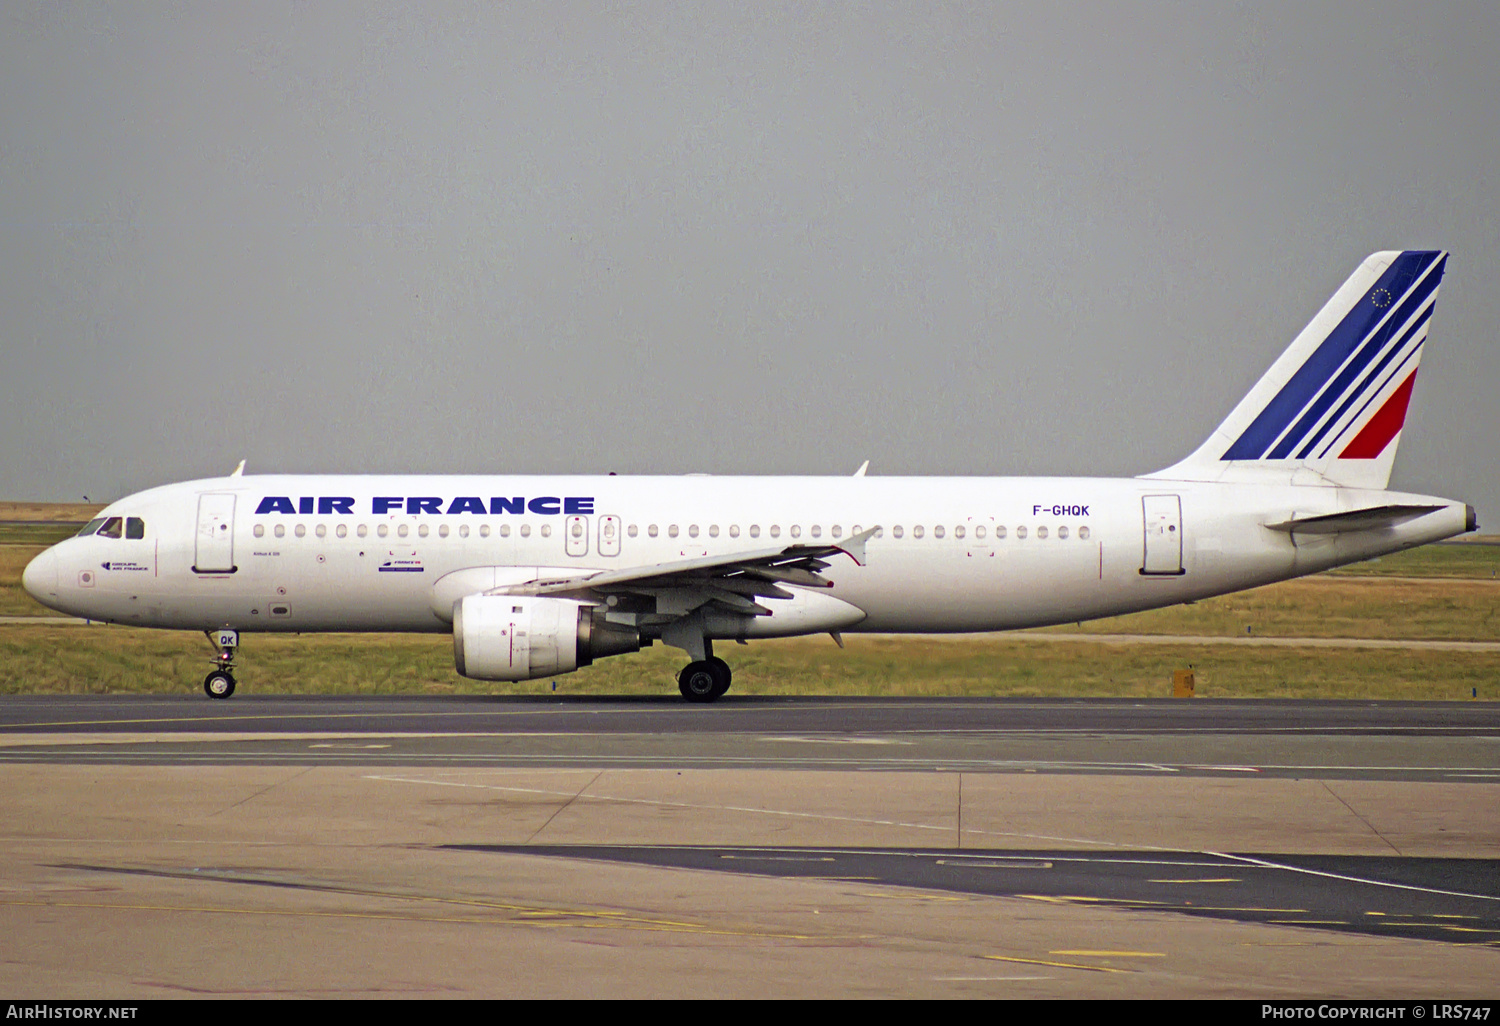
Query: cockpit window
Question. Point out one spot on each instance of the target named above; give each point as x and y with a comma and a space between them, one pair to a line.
90, 527
135, 527
111, 528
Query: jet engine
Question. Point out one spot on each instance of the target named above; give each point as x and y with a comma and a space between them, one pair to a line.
509, 637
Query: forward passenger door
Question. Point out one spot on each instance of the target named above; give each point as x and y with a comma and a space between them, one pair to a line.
214, 551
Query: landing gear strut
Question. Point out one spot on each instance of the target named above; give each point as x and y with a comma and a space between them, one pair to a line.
220, 682
705, 680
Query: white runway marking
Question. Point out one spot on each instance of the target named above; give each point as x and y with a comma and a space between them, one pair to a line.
1353, 879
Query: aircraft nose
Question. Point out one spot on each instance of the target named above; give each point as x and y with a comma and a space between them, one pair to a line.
40, 577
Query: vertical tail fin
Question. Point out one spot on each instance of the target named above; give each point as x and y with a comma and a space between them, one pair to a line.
1330, 410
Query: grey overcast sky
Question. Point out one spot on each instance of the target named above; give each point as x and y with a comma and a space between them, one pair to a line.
658, 238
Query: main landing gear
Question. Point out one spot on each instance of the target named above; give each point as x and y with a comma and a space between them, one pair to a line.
705, 680
220, 682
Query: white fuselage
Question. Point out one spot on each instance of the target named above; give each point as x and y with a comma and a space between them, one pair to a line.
310, 553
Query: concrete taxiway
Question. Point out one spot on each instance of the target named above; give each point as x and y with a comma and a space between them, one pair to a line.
526, 847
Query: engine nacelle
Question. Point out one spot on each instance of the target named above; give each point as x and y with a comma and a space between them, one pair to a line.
509, 637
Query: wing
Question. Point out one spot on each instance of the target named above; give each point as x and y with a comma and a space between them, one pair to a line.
733, 582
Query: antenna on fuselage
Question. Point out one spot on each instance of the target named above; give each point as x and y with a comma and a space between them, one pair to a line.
239, 470
862, 468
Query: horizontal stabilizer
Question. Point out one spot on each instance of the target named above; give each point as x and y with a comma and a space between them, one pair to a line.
1355, 520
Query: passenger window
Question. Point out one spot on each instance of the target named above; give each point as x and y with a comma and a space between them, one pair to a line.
1000, 531
484, 530
672, 531
401, 531
631, 530
342, 530
1062, 532
321, 530
817, 532
382, 530
755, 530
693, 531
111, 528
546, 530
90, 527
442, 530
651, 530
734, 530
896, 531
916, 532
796, 531
422, 531
135, 527
260, 530
1083, 534
937, 532
362, 530
280, 530
577, 530
1021, 531
838, 532
775, 530
300, 531
525, 530
1041, 532
958, 532
713, 530
463, 530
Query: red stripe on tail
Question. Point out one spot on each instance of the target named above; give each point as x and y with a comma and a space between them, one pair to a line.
1384, 426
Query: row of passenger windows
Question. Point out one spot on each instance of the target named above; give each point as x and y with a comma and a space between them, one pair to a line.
114, 527
652, 531
402, 530
795, 531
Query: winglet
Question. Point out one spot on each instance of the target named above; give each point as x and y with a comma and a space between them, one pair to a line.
854, 545
239, 470
862, 468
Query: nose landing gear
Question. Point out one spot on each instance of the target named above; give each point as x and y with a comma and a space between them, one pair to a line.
220, 682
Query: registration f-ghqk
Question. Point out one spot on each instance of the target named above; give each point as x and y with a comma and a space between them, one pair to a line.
537, 576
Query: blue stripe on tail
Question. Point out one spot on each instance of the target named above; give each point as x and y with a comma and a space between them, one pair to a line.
1367, 352
1363, 387
1326, 360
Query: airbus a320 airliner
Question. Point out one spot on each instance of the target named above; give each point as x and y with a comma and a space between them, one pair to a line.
537, 576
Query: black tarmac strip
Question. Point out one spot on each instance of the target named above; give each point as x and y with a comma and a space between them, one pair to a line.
1456, 901
733, 714
1410, 741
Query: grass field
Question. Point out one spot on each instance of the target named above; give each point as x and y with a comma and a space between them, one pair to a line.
1455, 599
72, 512
105, 660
